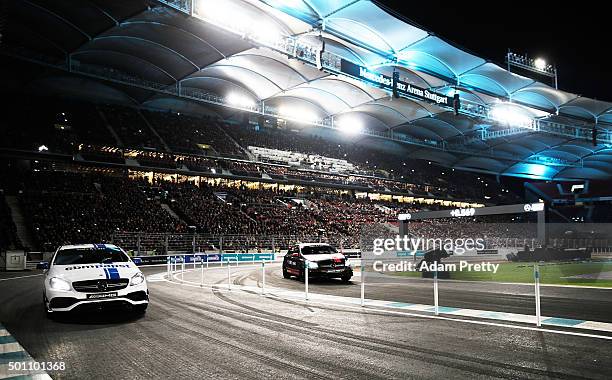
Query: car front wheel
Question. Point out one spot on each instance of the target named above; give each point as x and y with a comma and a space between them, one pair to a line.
140, 309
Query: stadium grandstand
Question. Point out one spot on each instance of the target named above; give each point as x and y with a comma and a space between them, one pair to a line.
297, 189
287, 118
304, 118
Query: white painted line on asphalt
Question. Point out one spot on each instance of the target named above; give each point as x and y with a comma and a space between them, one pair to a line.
539, 329
592, 325
383, 306
10, 347
18, 277
6, 373
12, 351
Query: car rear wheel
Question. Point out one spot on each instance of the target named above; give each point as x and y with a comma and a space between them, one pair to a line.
346, 278
286, 274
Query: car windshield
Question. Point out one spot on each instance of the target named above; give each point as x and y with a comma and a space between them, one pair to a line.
90, 255
318, 250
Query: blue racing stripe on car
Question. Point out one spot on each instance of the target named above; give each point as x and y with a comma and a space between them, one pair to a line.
113, 273
106, 273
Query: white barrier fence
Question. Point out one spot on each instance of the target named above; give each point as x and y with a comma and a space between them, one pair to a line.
178, 265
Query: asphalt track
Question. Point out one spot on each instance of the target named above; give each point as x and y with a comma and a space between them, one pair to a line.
190, 332
591, 304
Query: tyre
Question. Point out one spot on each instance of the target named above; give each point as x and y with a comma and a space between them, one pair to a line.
286, 274
140, 309
48, 314
346, 278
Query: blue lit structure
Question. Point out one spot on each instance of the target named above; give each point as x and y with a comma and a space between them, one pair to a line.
208, 56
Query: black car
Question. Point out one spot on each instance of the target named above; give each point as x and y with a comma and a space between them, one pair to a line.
323, 262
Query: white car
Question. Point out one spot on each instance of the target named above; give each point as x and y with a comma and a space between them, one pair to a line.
91, 277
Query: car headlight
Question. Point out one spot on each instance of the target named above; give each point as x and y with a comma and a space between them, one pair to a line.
312, 265
57, 283
137, 279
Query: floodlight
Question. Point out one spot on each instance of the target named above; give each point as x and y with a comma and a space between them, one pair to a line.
240, 100
265, 31
43, 148
298, 114
540, 64
510, 116
350, 125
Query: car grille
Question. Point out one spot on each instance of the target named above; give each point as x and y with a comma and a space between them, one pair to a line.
100, 286
330, 264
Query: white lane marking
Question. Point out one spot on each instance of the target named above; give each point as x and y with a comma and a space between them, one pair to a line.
15, 347
10, 347
387, 311
15, 278
156, 277
595, 326
540, 329
30, 375
375, 304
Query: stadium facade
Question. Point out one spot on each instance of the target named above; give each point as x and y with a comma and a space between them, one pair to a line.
349, 66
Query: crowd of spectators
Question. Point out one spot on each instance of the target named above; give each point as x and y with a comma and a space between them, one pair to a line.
47, 124
494, 230
196, 135
284, 140
72, 208
131, 127
198, 142
75, 207
102, 154
159, 160
386, 171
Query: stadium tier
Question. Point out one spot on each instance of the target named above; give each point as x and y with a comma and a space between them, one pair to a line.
304, 189
206, 145
75, 207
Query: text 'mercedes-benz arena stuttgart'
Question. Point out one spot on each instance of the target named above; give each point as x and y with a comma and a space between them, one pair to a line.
303, 189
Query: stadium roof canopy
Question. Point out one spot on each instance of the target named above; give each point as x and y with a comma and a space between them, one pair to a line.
168, 48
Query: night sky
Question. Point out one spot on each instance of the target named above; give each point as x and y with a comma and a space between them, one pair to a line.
576, 40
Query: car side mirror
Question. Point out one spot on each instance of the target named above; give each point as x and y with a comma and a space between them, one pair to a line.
43, 265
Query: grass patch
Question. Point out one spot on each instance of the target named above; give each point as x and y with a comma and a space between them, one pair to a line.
550, 273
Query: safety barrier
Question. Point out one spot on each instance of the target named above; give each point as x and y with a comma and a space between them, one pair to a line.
177, 264
226, 270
